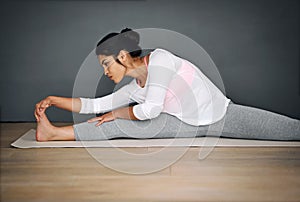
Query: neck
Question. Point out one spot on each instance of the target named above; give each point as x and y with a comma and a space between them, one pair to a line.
137, 69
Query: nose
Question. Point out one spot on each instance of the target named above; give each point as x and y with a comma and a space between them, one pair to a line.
105, 71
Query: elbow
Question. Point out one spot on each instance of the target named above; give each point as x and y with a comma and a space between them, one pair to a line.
153, 112
147, 111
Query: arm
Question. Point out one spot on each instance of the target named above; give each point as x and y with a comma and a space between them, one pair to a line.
124, 113
70, 104
86, 105
161, 72
120, 98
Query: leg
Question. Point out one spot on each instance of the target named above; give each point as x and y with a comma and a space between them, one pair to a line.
239, 122
46, 131
164, 126
253, 123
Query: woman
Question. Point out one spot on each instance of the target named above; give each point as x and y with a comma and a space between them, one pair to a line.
165, 86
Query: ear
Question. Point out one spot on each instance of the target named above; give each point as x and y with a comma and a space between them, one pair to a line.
123, 56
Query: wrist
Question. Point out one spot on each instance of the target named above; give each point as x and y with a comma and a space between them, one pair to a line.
116, 113
51, 100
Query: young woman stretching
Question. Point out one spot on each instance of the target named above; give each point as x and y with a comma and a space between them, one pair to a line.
165, 87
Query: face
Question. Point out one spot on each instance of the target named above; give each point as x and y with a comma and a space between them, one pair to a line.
112, 69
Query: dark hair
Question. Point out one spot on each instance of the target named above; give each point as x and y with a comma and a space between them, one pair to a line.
114, 42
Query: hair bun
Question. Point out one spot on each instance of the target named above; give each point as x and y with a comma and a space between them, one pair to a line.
131, 35
126, 30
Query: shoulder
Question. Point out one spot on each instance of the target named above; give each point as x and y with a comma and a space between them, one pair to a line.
160, 51
161, 57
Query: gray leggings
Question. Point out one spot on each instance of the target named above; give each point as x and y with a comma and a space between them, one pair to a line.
239, 122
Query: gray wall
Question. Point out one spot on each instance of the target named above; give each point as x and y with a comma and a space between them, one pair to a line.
254, 43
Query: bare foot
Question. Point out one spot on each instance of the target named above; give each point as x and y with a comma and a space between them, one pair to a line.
44, 130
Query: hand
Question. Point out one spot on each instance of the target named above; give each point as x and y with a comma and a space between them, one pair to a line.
41, 107
104, 118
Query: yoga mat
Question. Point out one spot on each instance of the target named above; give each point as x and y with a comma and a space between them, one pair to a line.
28, 141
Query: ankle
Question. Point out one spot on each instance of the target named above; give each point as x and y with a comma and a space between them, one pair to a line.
52, 132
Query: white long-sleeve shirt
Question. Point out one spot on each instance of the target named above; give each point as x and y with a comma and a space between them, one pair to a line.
174, 86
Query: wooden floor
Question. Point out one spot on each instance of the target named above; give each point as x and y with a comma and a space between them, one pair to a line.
71, 174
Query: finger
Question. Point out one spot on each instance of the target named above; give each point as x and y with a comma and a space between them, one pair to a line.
35, 113
100, 122
103, 120
91, 120
42, 111
37, 106
45, 105
39, 111
42, 106
36, 116
94, 119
